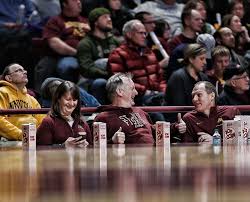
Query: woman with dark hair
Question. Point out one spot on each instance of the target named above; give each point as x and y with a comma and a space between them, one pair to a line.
64, 124
242, 39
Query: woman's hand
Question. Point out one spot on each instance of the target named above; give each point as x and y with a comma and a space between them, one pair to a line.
76, 142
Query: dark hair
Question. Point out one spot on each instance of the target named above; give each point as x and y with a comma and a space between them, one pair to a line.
140, 15
226, 21
61, 90
192, 4
186, 13
62, 2
232, 4
160, 27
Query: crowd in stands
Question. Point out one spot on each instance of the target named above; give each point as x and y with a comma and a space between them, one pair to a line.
167, 45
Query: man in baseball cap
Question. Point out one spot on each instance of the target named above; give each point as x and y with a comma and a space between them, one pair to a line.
236, 89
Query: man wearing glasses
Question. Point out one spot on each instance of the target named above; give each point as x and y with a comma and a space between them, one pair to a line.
13, 95
136, 58
236, 89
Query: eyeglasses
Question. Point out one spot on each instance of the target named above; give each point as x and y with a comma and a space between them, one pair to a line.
20, 70
142, 33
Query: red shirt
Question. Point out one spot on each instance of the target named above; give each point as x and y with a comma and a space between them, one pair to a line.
68, 29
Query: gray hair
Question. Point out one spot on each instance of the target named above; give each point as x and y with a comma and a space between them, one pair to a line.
115, 82
130, 26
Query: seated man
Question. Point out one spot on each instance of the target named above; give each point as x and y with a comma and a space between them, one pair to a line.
236, 89
62, 34
207, 116
120, 116
93, 51
13, 95
135, 57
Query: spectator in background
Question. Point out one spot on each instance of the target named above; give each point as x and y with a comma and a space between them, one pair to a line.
121, 116
220, 61
242, 39
13, 95
135, 57
200, 6
192, 24
207, 116
167, 10
149, 23
94, 48
119, 15
224, 36
236, 89
64, 124
63, 33
236, 7
182, 81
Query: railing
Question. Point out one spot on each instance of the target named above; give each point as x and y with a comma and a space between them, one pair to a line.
165, 109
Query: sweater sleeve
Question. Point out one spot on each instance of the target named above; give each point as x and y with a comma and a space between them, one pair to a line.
44, 133
7, 129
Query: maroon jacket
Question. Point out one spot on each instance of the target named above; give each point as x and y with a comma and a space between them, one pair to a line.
55, 130
199, 122
135, 123
148, 75
176, 41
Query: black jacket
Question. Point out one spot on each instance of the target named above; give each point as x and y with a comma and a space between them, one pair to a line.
229, 97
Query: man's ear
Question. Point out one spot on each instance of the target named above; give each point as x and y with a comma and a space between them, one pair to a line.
232, 82
213, 95
7, 78
129, 35
119, 92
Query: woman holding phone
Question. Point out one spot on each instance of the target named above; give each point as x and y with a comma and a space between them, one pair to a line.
64, 124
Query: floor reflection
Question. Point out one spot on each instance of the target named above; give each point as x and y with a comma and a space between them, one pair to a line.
128, 174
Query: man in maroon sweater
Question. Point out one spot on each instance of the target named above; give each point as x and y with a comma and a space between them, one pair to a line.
207, 116
124, 120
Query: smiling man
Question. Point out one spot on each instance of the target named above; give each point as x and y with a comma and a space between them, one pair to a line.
207, 115
124, 120
13, 95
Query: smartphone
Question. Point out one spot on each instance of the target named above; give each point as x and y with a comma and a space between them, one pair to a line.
82, 135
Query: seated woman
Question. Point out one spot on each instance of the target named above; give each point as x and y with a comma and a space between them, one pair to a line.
64, 124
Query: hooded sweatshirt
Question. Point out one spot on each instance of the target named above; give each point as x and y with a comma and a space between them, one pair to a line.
135, 123
13, 98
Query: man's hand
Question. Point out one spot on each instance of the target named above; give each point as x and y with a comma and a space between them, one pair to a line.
181, 124
205, 138
119, 137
